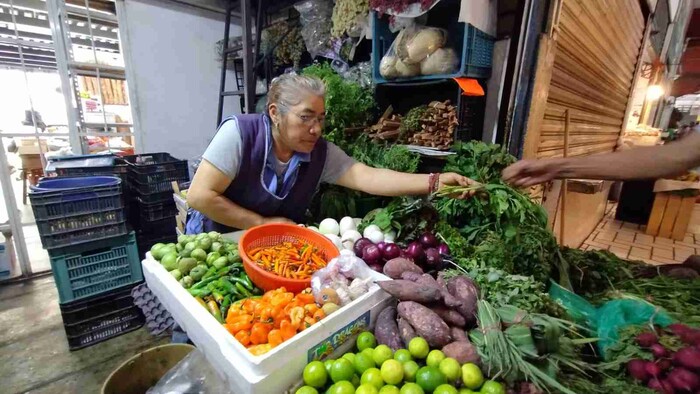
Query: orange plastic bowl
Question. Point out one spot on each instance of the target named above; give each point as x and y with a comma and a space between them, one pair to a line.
273, 234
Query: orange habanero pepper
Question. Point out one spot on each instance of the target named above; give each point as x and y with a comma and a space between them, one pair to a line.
260, 349
258, 334
287, 330
274, 337
243, 337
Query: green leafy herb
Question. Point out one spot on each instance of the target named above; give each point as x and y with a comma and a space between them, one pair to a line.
392, 157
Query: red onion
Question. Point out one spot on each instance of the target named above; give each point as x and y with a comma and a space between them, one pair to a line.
360, 245
376, 267
382, 245
660, 386
371, 254
391, 251
432, 257
678, 328
646, 339
428, 240
414, 251
638, 369
658, 350
653, 369
683, 380
664, 364
444, 249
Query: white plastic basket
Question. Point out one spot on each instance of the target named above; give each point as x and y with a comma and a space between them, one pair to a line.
279, 369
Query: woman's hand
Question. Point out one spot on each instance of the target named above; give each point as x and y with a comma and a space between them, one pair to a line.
454, 179
277, 220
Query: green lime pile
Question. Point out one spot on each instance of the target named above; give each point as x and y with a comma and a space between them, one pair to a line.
376, 369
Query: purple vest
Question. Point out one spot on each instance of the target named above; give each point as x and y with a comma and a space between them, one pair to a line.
248, 191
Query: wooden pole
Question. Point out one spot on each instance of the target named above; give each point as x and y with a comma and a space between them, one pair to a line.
564, 188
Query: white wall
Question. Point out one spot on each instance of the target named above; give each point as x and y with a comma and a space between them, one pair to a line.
173, 74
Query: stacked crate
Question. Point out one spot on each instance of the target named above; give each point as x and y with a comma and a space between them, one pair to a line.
95, 262
152, 209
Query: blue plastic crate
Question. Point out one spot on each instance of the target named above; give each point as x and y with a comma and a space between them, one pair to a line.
473, 47
71, 211
92, 272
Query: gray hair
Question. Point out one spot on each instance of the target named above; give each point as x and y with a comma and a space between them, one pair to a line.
284, 90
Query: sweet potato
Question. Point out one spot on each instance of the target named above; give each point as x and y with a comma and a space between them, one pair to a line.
406, 331
410, 275
464, 289
426, 323
457, 334
449, 300
450, 316
462, 351
394, 267
386, 330
405, 290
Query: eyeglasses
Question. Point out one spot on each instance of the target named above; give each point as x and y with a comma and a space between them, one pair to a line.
310, 121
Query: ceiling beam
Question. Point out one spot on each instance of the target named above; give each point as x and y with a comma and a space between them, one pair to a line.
104, 46
44, 24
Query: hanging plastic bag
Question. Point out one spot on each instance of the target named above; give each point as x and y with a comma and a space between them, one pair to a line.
316, 24
442, 61
192, 375
333, 282
411, 47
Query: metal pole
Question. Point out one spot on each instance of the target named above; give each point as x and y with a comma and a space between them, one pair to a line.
13, 214
222, 85
564, 187
248, 72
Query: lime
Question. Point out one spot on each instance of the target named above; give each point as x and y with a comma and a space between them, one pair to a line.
306, 390
418, 347
392, 372
472, 376
434, 358
410, 368
389, 389
366, 340
445, 389
349, 356
204, 243
315, 374
363, 362
411, 388
381, 353
492, 387
366, 389
372, 376
343, 387
199, 254
402, 355
342, 369
211, 257
450, 368
429, 378
328, 364
368, 352
156, 251
169, 261
466, 391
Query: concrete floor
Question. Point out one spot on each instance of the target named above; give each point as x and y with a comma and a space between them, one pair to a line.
34, 355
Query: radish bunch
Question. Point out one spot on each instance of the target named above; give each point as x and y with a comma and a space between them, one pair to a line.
669, 372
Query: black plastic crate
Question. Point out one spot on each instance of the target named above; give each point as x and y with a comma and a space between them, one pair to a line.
156, 186
146, 241
99, 318
153, 163
159, 227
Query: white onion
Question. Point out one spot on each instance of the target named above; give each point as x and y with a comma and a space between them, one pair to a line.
376, 237
370, 229
335, 239
390, 237
349, 238
329, 226
348, 253
314, 228
357, 221
347, 224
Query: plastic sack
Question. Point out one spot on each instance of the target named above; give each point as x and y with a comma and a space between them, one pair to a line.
412, 46
192, 375
316, 25
607, 320
442, 61
337, 274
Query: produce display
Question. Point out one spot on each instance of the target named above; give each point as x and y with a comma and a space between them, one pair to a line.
431, 126
418, 50
349, 17
209, 267
416, 368
294, 260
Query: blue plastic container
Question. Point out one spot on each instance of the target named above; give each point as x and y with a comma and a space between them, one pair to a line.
101, 268
474, 49
73, 211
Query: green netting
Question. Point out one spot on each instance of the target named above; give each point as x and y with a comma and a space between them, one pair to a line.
609, 318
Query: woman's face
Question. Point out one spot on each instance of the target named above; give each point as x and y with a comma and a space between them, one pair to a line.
301, 125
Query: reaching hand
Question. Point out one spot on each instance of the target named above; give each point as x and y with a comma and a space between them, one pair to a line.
454, 179
531, 172
277, 220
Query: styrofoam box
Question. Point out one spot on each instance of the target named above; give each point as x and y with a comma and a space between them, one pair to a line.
279, 369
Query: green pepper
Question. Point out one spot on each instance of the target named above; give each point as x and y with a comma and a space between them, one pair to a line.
201, 302
248, 284
218, 297
233, 257
211, 257
243, 290
227, 286
215, 311
257, 291
225, 305
198, 292
204, 282
211, 273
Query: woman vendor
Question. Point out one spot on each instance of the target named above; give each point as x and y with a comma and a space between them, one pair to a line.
265, 168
